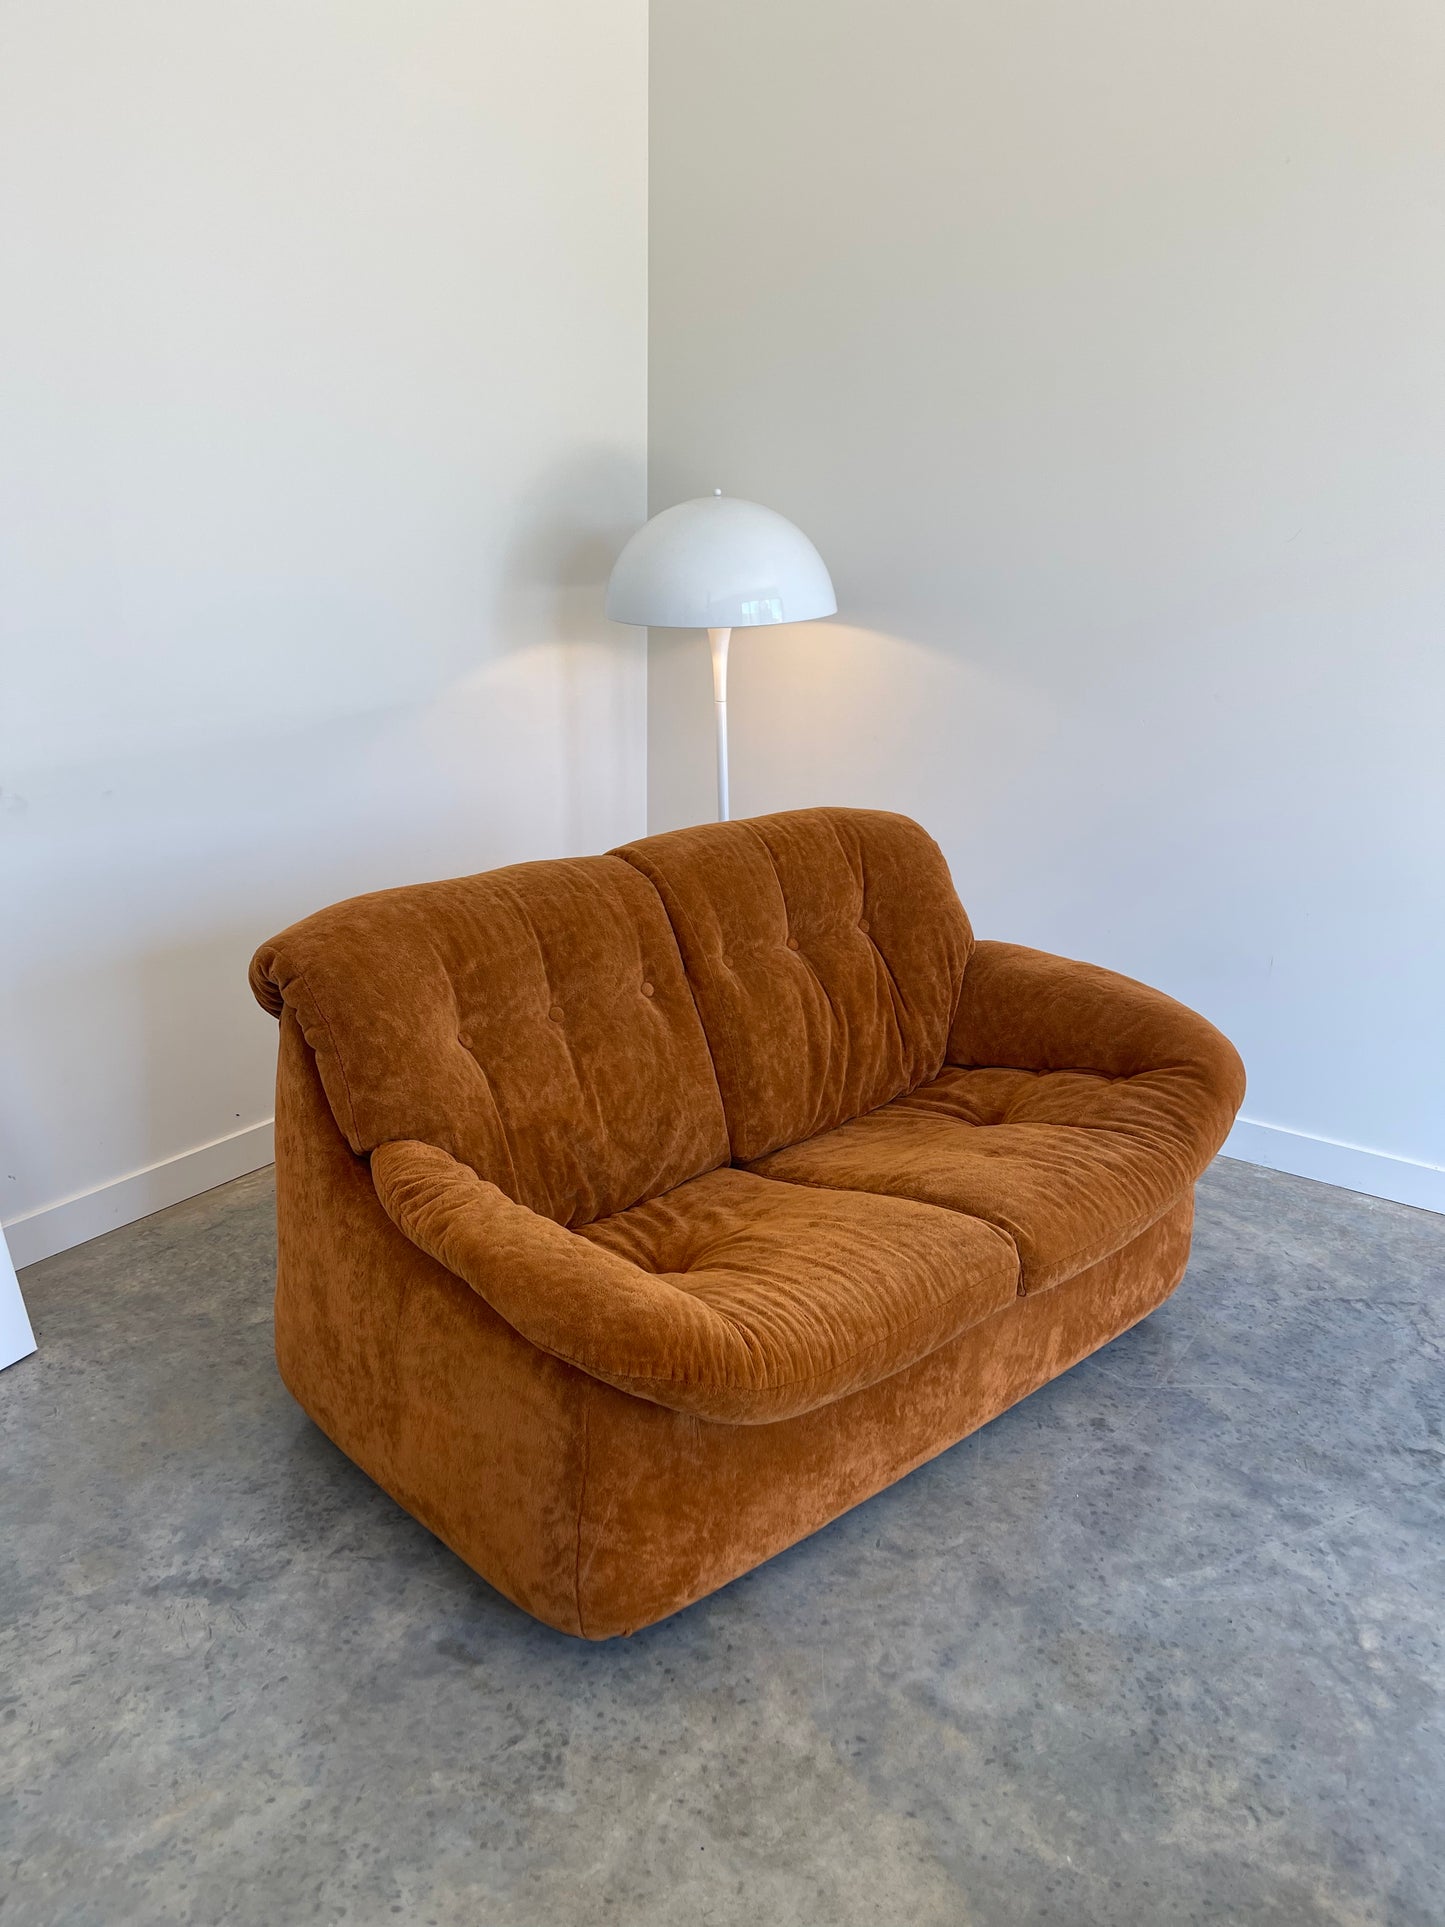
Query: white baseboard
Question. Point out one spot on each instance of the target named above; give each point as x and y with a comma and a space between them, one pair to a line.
1377, 1173
74, 1221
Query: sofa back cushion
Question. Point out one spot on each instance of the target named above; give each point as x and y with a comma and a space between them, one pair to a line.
535, 1022
826, 950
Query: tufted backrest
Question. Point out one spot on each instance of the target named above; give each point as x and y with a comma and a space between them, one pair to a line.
826, 950
535, 1022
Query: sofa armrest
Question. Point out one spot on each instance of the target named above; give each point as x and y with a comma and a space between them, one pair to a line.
565, 1295
748, 1358
1027, 1010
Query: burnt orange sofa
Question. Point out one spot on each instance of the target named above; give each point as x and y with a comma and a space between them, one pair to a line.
640, 1213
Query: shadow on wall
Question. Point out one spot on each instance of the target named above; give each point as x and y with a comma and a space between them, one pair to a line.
555, 561
558, 550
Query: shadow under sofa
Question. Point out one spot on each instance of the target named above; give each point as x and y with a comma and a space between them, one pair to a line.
639, 1214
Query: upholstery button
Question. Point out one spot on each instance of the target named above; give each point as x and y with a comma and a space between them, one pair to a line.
863, 925
464, 1041
555, 1013
647, 990
792, 943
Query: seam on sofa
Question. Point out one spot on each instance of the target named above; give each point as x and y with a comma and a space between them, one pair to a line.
1078, 1070
801, 1380
1052, 1070
679, 921
651, 881
735, 1051
355, 1132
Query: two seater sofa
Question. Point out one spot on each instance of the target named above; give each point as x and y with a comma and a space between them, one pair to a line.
640, 1213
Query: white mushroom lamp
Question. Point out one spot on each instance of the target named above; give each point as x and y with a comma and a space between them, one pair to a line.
719, 563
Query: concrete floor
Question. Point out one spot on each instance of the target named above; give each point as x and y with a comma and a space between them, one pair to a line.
1160, 1646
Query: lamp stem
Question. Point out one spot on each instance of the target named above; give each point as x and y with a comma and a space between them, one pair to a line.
719, 639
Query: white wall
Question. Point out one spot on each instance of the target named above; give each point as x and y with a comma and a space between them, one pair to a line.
322, 413
1100, 346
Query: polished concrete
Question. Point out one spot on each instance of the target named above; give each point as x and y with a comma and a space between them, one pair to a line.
1160, 1646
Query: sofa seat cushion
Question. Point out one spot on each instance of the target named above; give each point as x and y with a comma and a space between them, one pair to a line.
731, 1297
1071, 1164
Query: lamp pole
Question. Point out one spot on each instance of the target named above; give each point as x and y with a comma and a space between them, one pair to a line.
718, 640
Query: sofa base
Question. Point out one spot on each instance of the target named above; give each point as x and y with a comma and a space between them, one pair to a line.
594, 1511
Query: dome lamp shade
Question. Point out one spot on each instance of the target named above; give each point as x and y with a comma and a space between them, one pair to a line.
719, 563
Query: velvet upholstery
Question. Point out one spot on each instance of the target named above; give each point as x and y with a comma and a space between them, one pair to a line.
520, 1284
730, 1297
1077, 1107
594, 1511
826, 950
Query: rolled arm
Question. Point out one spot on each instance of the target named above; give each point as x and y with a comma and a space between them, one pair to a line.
593, 1308
1028, 1010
